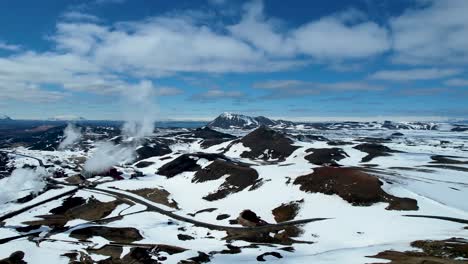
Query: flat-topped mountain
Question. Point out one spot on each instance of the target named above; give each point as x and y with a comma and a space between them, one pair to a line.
230, 120
239, 121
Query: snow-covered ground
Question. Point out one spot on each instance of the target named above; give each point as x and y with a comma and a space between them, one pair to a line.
350, 235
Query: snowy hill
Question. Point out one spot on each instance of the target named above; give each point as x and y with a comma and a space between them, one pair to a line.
238, 121
5, 118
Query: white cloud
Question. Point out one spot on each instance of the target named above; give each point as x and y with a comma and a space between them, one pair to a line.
217, 94
79, 16
326, 39
9, 47
414, 74
298, 84
457, 82
280, 89
435, 33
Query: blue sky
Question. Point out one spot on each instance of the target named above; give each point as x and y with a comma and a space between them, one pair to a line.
304, 60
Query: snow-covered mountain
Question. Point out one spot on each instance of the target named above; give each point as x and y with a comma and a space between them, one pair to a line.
238, 121
5, 118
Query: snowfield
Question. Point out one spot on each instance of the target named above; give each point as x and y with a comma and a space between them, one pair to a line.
428, 166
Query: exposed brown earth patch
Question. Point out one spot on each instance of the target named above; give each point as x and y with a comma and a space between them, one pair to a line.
450, 251
74, 208
287, 211
352, 185
156, 195
119, 235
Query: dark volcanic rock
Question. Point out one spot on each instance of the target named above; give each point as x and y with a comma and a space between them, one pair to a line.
274, 254
325, 156
310, 138
222, 217
240, 177
338, 143
185, 237
266, 143
210, 137
186, 162
153, 150
5, 169
354, 186
249, 218
14, 258
447, 160
119, 235
144, 164
373, 150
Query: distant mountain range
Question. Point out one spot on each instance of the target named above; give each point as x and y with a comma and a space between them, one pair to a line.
5, 118
67, 118
238, 121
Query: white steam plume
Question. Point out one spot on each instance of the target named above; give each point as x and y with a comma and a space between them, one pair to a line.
139, 116
107, 155
72, 134
140, 113
22, 181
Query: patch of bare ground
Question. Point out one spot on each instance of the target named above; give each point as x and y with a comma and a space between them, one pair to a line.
156, 195
325, 156
354, 186
76, 208
449, 251
287, 212
119, 235
240, 177
145, 254
373, 150
266, 143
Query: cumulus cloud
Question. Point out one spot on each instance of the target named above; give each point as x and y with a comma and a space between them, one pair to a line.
279, 89
9, 47
217, 94
414, 74
457, 82
88, 55
433, 33
327, 38
79, 16
71, 135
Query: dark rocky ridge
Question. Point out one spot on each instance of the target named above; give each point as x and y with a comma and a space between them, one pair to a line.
240, 177
266, 143
374, 150
325, 156
354, 186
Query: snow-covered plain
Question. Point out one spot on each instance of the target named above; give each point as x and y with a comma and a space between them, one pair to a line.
350, 235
